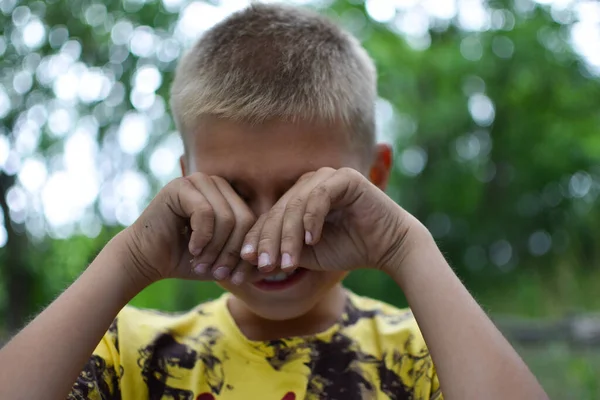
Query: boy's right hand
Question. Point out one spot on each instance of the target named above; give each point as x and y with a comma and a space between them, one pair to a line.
193, 229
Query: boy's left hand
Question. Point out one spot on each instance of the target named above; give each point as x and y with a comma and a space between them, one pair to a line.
330, 220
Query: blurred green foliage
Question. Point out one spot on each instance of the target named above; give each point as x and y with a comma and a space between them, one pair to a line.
565, 373
496, 132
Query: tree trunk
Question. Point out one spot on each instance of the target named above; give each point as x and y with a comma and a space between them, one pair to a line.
17, 279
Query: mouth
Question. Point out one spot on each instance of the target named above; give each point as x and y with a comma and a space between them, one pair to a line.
281, 280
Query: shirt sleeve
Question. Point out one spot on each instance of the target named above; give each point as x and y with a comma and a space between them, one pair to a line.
435, 391
411, 362
99, 379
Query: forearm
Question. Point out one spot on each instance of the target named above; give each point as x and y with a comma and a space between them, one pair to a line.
54, 347
472, 358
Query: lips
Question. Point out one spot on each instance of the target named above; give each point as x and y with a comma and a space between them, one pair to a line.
281, 280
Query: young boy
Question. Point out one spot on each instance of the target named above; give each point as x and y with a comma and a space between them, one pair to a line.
281, 198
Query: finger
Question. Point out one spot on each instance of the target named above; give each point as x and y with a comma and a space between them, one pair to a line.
197, 273
242, 273
185, 201
224, 220
244, 219
269, 241
250, 248
267, 256
292, 234
340, 190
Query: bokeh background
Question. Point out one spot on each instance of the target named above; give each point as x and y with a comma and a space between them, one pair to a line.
493, 108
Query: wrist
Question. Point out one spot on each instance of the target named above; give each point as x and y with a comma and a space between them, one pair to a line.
413, 245
123, 262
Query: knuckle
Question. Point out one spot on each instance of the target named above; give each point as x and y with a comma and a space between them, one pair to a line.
246, 221
254, 229
195, 177
288, 239
203, 237
273, 215
348, 172
217, 178
266, 236
203, 232
306, 175
231, 254
199, 176
205, 210
186, 178
178, 183
266, 240
253, 232
182, 180
326, 169
208, 257
278, 208
228, 220
319, 191
295, 203
261, 219
310, 216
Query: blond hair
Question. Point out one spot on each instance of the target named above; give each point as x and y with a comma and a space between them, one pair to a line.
277, 62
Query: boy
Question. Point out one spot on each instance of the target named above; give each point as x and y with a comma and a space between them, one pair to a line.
281, 198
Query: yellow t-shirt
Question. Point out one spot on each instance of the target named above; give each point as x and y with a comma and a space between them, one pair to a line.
375, 351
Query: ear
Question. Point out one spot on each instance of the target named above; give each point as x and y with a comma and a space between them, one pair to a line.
379, 175
182, 165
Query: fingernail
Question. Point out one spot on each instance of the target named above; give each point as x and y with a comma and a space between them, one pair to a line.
196, 251
308, 237
221, 273
286, 261
247, 249
264, 260
201, 269
237, 278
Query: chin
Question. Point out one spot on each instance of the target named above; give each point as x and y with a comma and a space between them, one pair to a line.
288, 298
280, 312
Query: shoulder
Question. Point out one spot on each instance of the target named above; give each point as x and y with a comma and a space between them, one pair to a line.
393, 336
394, 327
136, 324
387, 317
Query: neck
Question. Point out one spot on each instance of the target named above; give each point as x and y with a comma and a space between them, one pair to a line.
318, 319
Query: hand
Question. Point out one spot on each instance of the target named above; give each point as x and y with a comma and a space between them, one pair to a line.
193, 229
329, 220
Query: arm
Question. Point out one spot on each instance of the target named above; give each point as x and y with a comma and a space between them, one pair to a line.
54, 347
472, 358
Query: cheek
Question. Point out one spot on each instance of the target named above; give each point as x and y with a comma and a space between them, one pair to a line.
323, 282
243, 292
226, 285
335, 276
187, 164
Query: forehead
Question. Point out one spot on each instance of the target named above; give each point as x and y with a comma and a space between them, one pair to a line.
269, 152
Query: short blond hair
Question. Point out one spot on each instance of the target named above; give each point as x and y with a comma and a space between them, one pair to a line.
277, 62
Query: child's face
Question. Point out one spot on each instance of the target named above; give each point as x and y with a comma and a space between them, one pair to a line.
261, 163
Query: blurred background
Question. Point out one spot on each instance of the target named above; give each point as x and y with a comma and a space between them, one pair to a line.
493, 109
